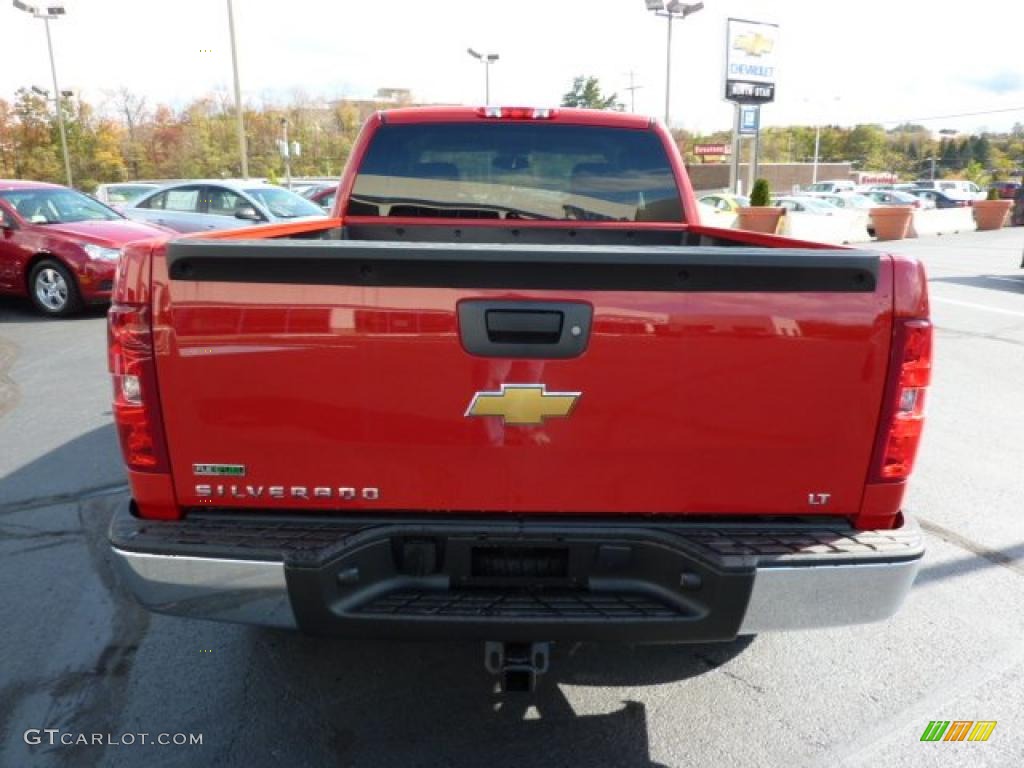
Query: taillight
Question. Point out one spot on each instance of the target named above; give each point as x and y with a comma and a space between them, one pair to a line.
903, 412
136, 406
517, 113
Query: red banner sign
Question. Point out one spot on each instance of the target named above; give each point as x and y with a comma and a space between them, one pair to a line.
711, 149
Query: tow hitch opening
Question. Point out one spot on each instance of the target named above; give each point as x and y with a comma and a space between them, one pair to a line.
518, 664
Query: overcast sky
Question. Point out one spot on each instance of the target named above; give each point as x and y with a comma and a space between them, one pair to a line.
886, 60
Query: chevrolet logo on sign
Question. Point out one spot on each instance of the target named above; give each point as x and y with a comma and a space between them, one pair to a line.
754, 44
523, 404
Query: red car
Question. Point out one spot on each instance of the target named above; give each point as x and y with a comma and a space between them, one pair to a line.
1006, 189
59, 247
323, 195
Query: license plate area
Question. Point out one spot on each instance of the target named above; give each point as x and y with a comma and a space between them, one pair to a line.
518, 564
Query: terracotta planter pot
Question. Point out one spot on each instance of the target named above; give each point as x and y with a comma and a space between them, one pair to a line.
763, 219
992, 214
892, 222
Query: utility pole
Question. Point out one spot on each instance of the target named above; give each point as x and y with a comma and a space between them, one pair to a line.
242, 150
632, 91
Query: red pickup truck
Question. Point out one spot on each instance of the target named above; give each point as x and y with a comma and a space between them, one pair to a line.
513, 390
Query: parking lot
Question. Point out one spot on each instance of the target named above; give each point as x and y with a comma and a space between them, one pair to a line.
79, 656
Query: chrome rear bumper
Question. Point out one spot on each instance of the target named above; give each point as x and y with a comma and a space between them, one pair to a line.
244, 591
808, 597
781, 593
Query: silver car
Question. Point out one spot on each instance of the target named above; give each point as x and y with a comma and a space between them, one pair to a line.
194, 206
123, 193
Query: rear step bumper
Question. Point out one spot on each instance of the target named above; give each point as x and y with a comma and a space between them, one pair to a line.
648, 580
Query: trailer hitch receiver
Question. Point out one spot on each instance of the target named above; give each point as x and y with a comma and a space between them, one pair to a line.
518, 664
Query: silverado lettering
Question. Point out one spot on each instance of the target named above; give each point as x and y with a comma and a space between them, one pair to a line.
281, 492
753, 404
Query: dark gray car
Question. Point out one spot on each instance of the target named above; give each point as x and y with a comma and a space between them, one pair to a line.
195, 206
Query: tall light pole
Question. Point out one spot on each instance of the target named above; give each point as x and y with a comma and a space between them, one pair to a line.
286, 150
671, 11
817, 144
487, 60
47, 14
242, 152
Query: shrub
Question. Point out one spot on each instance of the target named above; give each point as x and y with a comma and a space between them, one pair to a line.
761, 194
993, 194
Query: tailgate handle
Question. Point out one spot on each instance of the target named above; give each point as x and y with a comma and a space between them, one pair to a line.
524, 329
524, 326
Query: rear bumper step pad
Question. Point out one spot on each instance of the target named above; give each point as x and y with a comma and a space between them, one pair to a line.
521, 579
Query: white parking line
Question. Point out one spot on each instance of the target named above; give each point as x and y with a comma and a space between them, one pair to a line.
982, 307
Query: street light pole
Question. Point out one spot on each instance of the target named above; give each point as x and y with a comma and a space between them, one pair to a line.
668, 70
287, 151
46, 14
242, 150
487, 60
673, 10
817, 144
58, 97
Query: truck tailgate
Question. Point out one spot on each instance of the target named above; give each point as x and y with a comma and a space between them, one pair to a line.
335, 375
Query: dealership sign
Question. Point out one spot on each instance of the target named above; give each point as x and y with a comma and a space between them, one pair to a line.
750, 61
750, 120
710, 149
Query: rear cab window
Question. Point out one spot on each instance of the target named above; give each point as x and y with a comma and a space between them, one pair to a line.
514, 170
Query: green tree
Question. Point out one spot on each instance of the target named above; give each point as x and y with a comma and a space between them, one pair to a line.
976, 172
950, 156
586, 92
868, 144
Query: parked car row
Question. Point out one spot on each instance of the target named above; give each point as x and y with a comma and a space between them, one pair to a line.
60, 248
853, 207
954, 189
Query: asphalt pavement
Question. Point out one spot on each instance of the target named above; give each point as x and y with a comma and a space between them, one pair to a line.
79, 656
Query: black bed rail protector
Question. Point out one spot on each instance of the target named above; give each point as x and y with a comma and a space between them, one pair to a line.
520, 266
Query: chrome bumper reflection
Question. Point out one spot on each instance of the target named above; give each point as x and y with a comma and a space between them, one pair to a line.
809, 596
245, 591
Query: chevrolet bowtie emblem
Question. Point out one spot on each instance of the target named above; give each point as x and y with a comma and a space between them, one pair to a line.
523, 404
754, 44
